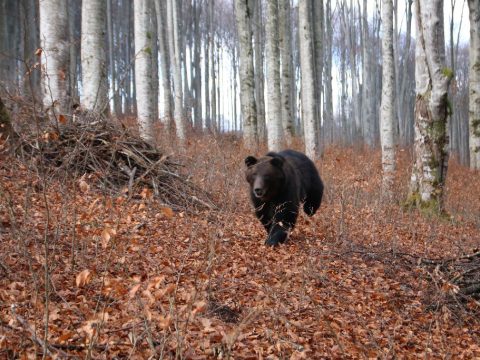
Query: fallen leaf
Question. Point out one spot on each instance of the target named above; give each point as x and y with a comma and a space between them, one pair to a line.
107, 234
167, 212
133, 291
83, 278
164, 322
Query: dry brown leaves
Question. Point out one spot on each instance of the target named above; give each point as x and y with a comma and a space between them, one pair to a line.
134, 279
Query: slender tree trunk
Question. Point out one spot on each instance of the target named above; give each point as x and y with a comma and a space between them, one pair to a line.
184, 8
32, 42
431, 108
285, 42
274, 118
94, 62
404, 120
4, 35
308, 78
474, 87
343, 136
155, 66
206, 52
318, 29
246, 73
174, 48
256, 8
53, 40
213, 76
396, 74
143, 70
387, 113
217, 84
328, 108
73, 47
130, 83
367, 84
115, 110
164, 63
234, 93
350, 39
197, 67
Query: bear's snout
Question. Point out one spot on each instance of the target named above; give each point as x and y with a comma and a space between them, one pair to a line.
259, 192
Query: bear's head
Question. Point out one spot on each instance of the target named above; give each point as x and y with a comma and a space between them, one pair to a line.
265, 176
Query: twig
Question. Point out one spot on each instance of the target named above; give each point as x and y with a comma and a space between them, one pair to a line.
48, 348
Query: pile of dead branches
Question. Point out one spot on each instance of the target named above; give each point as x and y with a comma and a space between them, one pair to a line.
459, 276
117, 159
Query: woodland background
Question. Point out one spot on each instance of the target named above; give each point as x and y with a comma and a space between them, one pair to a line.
125, 225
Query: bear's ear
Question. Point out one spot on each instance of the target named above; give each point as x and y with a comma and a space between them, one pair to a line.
277, 161
250, 160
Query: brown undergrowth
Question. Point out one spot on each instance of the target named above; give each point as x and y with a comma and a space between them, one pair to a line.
88, 274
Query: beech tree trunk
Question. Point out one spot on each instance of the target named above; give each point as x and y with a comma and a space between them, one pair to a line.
213, 89
206, 52
403, 114
94, 62
387, 113
246, 74
256, 8
368, 115
116, 103
174, 48
164, 64
308, 78
55, 54
143, 70
474, 85
318, 29
273, 111
4, 61
197, 79
285, 43
328, 106
431, 108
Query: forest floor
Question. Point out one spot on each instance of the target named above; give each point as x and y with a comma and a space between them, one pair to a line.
130, 278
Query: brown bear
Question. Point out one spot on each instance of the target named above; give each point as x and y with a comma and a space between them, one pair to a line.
279, 183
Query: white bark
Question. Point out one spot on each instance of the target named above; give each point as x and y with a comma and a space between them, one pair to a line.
174, 50
143, 69
273, 111
257, 25
308, 78
328, 91
246, 74
431, 107
164, 62
116, 102
388, 102
285, 43
55, 52
94, 67
367, 81
318, 30
474, 85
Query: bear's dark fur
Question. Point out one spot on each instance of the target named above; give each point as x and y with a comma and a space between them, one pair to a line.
279, 183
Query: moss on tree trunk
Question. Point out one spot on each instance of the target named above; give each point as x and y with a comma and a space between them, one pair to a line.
6, 129
430, 168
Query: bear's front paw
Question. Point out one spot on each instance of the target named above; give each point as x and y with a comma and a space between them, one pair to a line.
277, 238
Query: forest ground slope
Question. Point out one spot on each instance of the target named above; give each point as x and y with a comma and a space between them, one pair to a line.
130, 278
